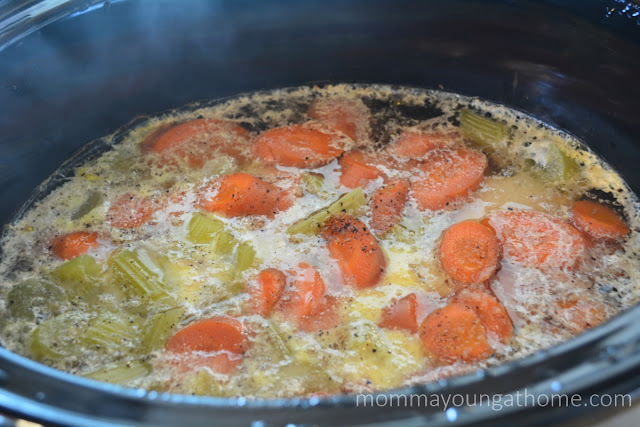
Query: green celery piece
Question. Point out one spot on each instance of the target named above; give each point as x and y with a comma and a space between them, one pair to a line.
122, 374
366, 336
161, 327
403, 234
314, 378
204, 383
110, 331
276, 339
350, 202
244, 257
203, 228
482, 131
80, 277
558, 166
56, 338
313, 182
94, 199
79, 269
34, 293
224, 243
173, 270
227, 275
132, 270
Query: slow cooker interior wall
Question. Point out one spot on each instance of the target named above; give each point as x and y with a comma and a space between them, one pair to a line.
86, 75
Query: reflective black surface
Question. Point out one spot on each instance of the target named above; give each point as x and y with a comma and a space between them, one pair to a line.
574, 64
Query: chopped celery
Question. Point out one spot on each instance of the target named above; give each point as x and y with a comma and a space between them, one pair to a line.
56, 338
80, 277
122, 374
244, 257
32, 293
224, 243
80, 269
175, 270
482, 131
366, 336
110, 331
313, 182
403, 234
137, 273
311, 377
553, 165
350, 202
204, 383
161, 326
203, 228
94, 199
207, 229
226, 275
284, 352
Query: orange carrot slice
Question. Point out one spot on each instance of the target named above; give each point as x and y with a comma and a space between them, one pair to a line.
347, 115
221, 333
307, 304
307, 296
417, 144
447, 177
599, 222
455, 333
492, 314
469, 252
130, 211
240, 194
303, 146
271, 284
214, 335
150, 140
538, 240
325, 316
356, 172
197, 140
402, 314
359, 256
290, 184
68, 246
387, 205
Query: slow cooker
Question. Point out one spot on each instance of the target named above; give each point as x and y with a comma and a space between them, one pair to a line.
73, 71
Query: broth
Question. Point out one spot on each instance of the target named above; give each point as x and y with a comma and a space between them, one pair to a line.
113, 309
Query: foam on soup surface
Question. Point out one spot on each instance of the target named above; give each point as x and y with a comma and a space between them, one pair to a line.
318, 241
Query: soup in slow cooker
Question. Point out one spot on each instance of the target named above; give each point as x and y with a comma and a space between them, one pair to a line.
314, 241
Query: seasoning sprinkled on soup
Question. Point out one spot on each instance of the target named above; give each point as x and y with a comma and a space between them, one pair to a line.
315, 241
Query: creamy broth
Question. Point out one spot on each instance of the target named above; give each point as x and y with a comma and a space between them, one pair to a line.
105, 325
